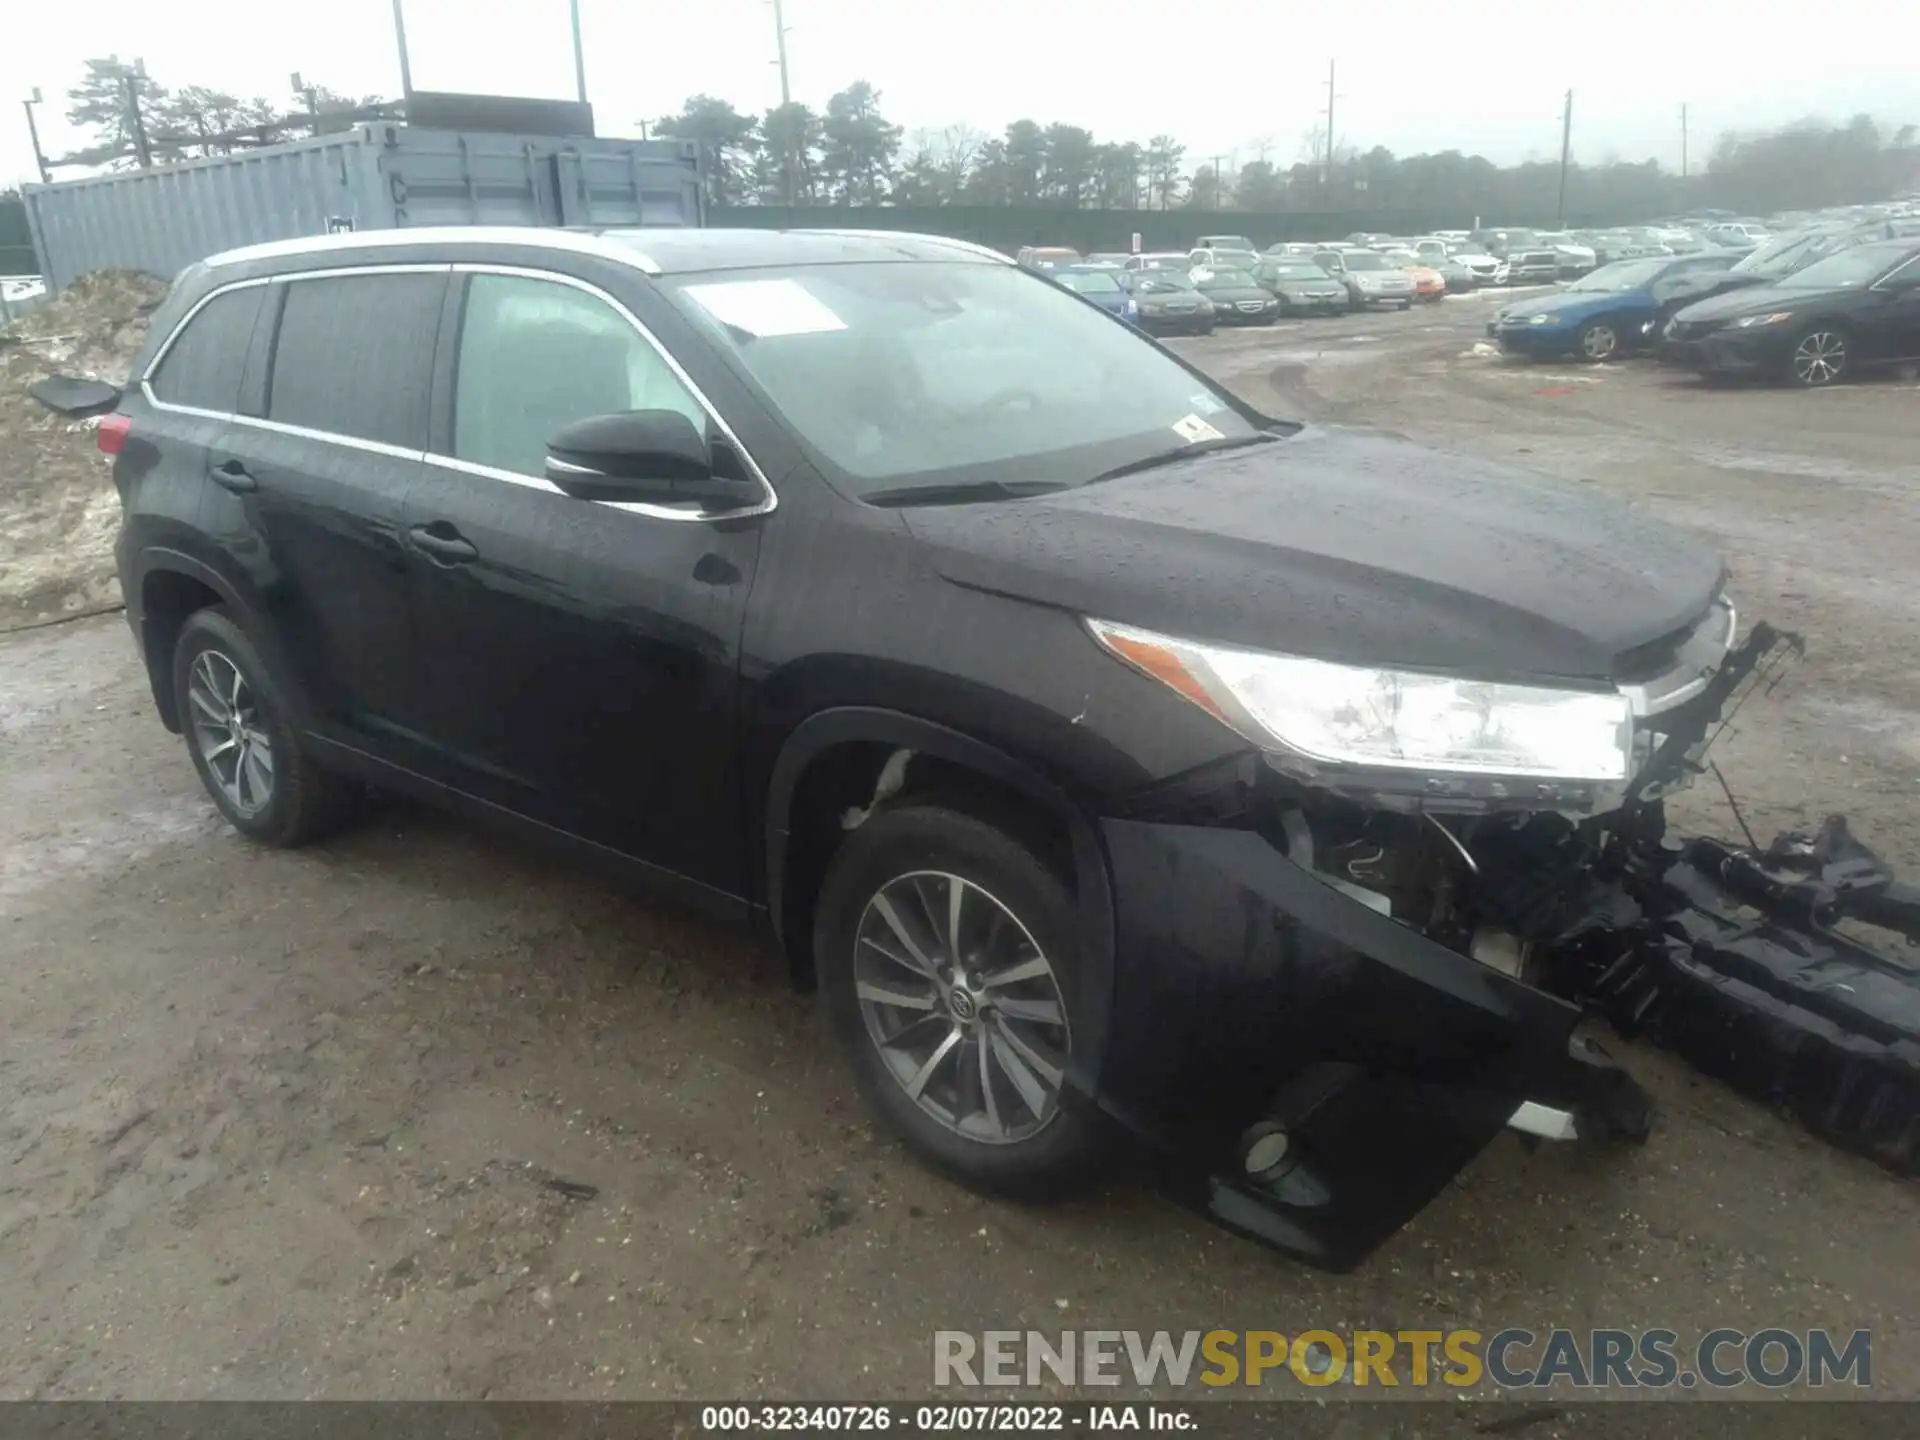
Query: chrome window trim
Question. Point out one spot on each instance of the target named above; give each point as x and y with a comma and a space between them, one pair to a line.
529, 237
969, 246
449, 462
1881, 283
765, 506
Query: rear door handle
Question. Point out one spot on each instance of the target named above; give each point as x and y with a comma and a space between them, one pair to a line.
443, 543
233, 475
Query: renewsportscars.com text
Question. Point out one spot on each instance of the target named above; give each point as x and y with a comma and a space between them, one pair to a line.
1513, 1358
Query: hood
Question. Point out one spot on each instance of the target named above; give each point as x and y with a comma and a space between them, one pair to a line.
1755, 300
1568, 302
1151, 298
1234, 294
1306, 288
1344, 546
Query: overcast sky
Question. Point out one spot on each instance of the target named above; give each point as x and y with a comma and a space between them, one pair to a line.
1473, 75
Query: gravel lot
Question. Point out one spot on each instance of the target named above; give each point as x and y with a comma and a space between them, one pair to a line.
420, 1113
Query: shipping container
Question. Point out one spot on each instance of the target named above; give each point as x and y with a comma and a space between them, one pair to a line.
373, 177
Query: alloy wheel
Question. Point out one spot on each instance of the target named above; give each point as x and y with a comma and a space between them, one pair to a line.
962, 1005
1819, 358
228, 732
1598, 342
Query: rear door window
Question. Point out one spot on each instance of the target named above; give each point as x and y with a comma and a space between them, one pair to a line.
536, 355
354, 356
203, 365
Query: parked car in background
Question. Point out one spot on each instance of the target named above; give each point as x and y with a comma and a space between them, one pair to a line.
1223, 259
1301, 287
1576, 259
1168, 301
1224, 242
1487, 269
1738, 235
1115, 258
1236, 299
1159, 260
1787, 253
1533, 264
1364, 238
1815, 327
1430, 248
1045, 257
1369, 279
1101, 285
1428, 283
1302, 248
1599, 316
1460, 279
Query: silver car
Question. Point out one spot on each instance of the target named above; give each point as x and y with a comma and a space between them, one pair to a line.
1370, 278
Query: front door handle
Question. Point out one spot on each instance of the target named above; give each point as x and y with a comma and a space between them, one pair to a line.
233, 475
442, 543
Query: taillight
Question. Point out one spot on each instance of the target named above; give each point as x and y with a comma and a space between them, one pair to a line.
111, 433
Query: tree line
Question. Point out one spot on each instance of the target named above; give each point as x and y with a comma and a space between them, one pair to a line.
849, 153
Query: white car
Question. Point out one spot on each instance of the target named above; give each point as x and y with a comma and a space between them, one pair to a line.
1575, 259
1487, 269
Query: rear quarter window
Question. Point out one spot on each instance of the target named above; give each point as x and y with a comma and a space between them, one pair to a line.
354, 356
203, 364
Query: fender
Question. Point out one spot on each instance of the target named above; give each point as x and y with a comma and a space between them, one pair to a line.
1092, 885
152, 558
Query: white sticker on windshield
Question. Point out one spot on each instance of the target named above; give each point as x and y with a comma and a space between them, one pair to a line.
1193, 430
766, 307
1205, 404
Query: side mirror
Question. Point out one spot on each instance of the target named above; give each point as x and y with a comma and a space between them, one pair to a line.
641, 455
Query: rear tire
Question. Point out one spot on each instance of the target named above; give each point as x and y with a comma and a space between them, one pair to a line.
972, 1088
244, 742
1821, 355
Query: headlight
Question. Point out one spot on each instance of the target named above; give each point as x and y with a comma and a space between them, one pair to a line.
1390, 719
1747, 322
1540, 319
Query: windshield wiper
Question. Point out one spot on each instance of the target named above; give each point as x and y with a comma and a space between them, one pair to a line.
970, 492
1185, 452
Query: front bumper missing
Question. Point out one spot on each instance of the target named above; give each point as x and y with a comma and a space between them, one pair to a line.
1258, 996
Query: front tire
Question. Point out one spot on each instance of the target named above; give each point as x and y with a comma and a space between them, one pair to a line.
947, 954
243, 740
1597, 342
1822, 355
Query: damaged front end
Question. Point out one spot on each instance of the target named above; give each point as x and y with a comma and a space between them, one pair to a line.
1361, 977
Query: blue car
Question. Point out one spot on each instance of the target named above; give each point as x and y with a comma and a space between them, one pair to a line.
1101, 285
1617, 307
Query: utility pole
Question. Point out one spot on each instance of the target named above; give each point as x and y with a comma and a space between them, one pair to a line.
305, 92
406, 70
1327, 176
1683, 143
786, 98
579, 54
1216, 182
33, 133
136, 123
1566, 151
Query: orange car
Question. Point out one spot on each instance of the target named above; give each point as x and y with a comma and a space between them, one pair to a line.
1428, 284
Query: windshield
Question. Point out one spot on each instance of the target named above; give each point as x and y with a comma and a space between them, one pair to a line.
1226, 242
1784, 255
1225, 280
1161, 282
924, 375
1088, 282
1234, 259
1621, 275
1365, 260
1299, 272
1848, 270
1400, 257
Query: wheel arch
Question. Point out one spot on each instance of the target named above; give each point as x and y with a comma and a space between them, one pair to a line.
171, 585
864, 737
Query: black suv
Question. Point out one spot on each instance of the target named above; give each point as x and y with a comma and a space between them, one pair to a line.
1115, 759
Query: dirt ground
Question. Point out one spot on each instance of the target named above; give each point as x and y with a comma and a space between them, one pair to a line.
423, 1114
